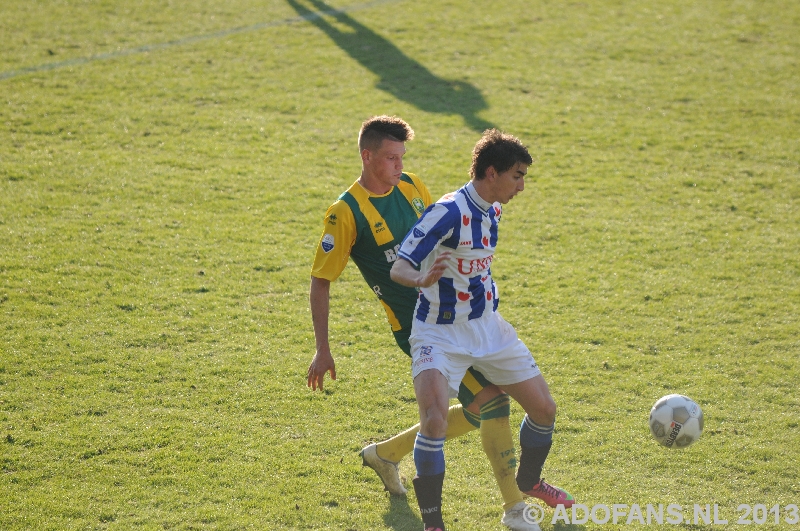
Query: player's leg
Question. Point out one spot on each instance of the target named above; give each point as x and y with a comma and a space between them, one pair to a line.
478, 394
436, 372
431, 389
509, 363
384, 456
536, 439
459, 422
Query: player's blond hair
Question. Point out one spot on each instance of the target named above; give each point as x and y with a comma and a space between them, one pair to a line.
498, 150
379, 128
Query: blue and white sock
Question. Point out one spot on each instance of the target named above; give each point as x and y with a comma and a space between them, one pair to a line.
429, 455
533, 435
535, 441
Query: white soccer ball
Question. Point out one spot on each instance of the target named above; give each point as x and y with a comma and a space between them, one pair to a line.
676, 421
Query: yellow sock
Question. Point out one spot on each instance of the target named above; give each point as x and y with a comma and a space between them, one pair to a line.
459, 422
499, 447
402, 444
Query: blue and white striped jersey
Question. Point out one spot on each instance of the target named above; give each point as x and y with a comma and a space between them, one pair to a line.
463, 223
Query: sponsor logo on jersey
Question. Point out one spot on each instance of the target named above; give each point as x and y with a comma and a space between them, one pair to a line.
332, 219
419, 206
466, 243
391, 254
379, 227
466, 267
327, 243
465, 220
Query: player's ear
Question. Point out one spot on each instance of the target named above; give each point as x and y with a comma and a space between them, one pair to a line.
365, 155
490, 174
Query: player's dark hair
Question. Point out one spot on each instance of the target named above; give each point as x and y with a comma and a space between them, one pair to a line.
498, 150
379, 128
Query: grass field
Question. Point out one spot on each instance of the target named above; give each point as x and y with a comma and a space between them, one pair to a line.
164, 170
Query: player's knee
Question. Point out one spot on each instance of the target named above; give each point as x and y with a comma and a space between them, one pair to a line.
549, 410
434, 424
544, 413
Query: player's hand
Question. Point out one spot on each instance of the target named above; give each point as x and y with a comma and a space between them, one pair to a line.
322, 363
436, 271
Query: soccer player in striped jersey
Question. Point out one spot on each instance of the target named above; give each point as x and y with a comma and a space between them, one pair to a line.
367, 223
448, 255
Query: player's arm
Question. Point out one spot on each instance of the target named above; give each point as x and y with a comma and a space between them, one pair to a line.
331, 257
436, 225
403, 272
319, 299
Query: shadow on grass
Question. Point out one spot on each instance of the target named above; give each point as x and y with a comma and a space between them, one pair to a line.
400, 76
560, 526
401, 516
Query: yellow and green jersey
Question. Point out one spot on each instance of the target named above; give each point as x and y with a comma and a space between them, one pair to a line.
369, 228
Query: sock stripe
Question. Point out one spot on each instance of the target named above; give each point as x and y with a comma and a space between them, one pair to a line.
494, 403
497, 407
428, 455
533, 435
472, 418
427, 444
538, 428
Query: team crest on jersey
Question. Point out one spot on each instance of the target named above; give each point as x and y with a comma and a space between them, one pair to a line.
418, 233
419, 206
327, 243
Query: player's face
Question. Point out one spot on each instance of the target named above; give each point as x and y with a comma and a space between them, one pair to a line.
510, 183
386, 163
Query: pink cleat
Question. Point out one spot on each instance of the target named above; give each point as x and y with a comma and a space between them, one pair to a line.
552, 496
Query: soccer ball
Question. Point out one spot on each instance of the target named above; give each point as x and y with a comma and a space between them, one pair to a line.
676, 421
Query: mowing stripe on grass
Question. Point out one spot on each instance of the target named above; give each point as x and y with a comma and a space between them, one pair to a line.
187, 40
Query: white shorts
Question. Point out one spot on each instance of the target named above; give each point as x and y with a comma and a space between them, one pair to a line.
489, 344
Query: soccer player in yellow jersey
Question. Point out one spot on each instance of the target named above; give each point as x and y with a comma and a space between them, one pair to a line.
368, 223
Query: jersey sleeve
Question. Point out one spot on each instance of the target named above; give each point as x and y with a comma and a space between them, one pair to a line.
437, 225
338, 236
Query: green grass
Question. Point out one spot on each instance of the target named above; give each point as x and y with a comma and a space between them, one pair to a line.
164, 169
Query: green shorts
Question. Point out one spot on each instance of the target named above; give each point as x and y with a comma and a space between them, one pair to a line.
472, 384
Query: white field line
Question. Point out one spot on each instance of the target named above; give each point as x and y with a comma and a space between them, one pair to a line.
186, 40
